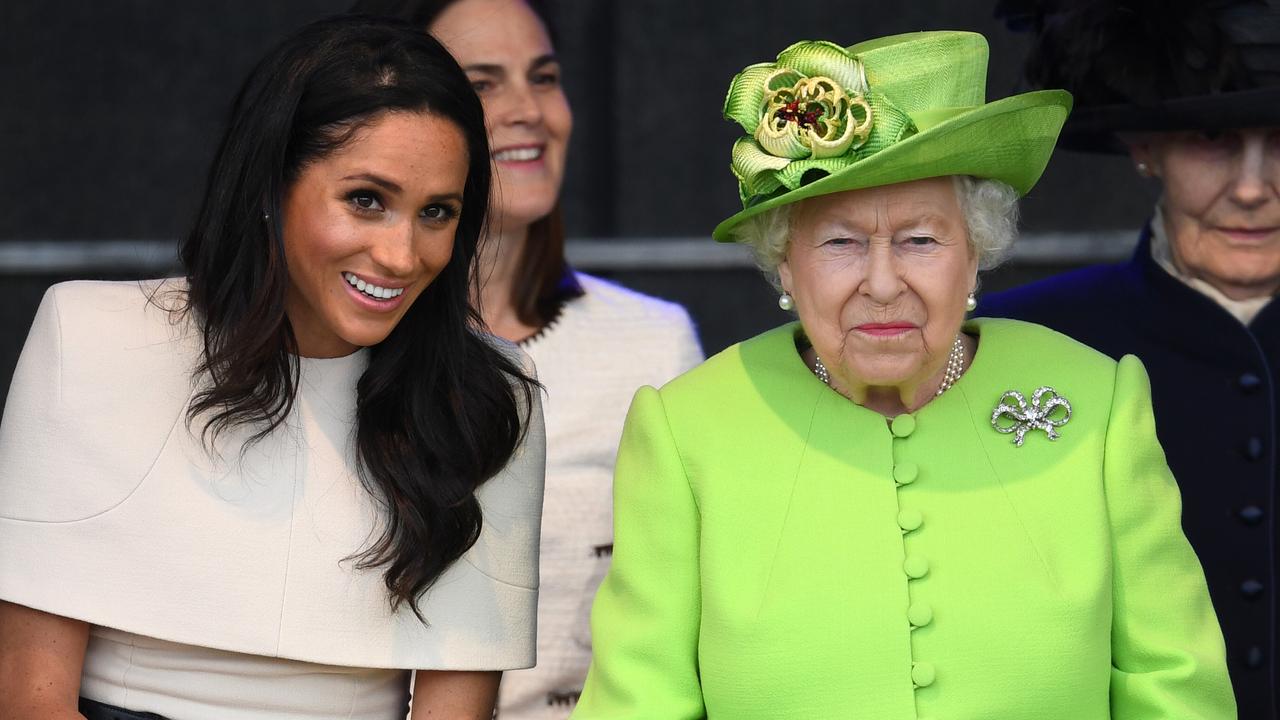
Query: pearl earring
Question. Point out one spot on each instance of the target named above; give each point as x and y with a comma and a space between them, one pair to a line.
786, 302
1144, 170
971, 303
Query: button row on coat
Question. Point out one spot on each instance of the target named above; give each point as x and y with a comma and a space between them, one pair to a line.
919, 613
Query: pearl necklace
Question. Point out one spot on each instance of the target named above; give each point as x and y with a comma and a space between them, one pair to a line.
955, 368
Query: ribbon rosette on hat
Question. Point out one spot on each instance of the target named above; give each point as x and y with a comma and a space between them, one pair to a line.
812, 116
1048, 411
811, 109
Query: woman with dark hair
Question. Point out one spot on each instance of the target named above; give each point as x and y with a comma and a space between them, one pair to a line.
278, 485
593, 342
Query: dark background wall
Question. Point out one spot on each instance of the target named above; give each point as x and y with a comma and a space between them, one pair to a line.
110, 112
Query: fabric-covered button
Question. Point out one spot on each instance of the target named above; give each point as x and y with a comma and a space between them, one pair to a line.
903, 425
1251, 588
1250, 514
923, 674
915, 567
920, 614
910, 520
1255, 658
905, 473
1253, 448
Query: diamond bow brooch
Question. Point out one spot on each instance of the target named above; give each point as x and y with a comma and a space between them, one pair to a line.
1048, 411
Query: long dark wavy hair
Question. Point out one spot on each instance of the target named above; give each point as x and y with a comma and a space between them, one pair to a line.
439, 409
544, 280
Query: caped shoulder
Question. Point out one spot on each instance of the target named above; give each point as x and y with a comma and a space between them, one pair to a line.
116, 315
106, 370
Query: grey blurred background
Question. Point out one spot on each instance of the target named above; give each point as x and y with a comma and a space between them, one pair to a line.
110, 112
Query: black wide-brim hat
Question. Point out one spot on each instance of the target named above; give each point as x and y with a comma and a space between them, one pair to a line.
1137, 66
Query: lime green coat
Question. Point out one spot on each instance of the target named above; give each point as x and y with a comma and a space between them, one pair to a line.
781, 552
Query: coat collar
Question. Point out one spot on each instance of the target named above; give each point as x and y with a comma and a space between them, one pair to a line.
1179, 317
784, 380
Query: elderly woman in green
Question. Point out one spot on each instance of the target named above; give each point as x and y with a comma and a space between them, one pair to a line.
883, 511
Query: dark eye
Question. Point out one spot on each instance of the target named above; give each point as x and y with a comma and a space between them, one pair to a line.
549, 79
481, 86
839, 241
440, 213
365, 201
920, 240
1216, 139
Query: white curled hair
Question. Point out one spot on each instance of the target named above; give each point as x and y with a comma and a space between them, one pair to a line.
990, 210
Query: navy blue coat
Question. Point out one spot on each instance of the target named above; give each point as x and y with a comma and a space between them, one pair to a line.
1215, 391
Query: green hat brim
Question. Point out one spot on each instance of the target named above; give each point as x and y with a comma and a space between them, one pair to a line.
1024, 128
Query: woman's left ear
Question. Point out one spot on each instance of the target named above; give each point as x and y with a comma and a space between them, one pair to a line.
1140, 152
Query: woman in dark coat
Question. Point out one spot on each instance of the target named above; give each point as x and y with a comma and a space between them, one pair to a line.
1192, 94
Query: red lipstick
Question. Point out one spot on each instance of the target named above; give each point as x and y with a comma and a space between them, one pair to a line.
889, 329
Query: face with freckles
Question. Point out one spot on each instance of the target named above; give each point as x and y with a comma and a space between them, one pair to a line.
880, 277
368, 227
1221, 205
506, 52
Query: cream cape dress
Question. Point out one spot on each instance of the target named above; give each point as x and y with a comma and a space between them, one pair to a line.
205, 570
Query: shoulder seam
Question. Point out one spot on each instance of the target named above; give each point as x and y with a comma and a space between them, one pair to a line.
684, 471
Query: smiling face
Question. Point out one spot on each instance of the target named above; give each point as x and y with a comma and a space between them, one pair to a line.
1222, 206
507, 54
368, 227
880, 278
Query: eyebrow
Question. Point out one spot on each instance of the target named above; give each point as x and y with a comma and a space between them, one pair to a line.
493, 69
928, 222
931, 218
385, 184
394, 187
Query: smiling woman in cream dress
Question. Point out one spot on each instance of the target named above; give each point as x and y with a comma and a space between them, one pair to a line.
297, 479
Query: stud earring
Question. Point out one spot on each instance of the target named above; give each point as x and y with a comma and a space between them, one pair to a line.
266, 216
786, 302
1144, 169
971, 303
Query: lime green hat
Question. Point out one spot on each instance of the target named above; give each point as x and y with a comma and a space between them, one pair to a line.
824, 119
